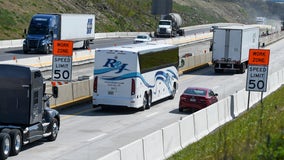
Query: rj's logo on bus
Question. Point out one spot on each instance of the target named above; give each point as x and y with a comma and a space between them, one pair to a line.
113, 63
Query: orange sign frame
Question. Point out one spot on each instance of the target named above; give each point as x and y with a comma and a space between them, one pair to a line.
62, 48
259, 57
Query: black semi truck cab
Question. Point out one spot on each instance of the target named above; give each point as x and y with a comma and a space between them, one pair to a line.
25, 116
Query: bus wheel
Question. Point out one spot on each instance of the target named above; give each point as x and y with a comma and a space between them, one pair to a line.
149, 101
173, 92
5, 145
144, 105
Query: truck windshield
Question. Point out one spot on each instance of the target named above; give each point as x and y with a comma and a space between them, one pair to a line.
164, 23
39, 26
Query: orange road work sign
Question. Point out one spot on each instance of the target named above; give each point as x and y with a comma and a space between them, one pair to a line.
259, 57
62, 48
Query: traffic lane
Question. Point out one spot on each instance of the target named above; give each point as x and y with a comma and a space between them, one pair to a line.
17, 52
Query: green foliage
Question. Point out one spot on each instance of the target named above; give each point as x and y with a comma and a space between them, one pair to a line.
257, 134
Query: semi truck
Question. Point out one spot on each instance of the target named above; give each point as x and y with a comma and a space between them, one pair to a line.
44, 28
231, 45
169, 26
25, 115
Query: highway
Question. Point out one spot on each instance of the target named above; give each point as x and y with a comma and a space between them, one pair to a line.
88, 133
10, 53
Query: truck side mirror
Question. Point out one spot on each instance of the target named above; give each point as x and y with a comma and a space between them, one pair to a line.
55, 91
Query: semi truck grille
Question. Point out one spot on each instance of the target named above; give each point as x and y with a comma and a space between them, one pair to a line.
163, 30
33, 43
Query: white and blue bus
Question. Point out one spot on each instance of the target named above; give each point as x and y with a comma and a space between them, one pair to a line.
135, 75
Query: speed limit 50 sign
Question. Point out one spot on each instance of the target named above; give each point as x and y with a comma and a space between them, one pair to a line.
257, 70
257, 78
62, 68
62, 60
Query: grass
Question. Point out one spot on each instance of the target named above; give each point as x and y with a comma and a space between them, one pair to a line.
257, 134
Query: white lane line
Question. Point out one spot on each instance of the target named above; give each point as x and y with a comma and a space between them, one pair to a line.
97, 137
152, 114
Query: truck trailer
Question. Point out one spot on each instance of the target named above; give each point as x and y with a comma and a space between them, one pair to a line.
169, 26
231, 47
25, 115
44, 28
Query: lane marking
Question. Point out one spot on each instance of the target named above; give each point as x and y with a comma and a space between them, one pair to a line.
77, 113
152, 114
97, 137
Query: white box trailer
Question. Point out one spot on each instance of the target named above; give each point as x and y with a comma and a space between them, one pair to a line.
231, 47
82, 29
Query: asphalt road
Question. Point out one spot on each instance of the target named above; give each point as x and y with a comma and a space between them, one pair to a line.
10, 53
88, 133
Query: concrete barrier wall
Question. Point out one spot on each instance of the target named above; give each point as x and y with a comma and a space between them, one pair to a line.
187, 131
212, 117
132, 151
171, 139
153, 146
200, 121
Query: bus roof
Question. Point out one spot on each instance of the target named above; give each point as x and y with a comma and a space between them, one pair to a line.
140, 48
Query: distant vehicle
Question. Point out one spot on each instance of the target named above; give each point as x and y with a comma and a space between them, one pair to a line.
169, 26
195, 98
25, 115
135, 75
142, 38
231, 45
44, 28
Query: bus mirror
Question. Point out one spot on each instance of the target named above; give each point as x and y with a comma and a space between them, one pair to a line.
55, 91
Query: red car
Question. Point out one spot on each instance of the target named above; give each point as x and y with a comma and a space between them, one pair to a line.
196, 98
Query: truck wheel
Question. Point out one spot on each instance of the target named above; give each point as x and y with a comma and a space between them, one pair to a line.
16, 142
218, 70
54, 130
5, 145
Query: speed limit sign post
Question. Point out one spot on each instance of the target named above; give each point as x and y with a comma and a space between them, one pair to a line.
257, 71
62, 60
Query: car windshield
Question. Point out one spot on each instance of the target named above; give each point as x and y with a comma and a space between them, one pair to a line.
141, 37
164, 23
193, 91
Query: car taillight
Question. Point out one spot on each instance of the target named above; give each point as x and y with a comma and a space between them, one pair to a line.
205, 101
95, 84
133, 88
182, 97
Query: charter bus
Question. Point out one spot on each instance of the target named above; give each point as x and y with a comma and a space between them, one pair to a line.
135, 75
